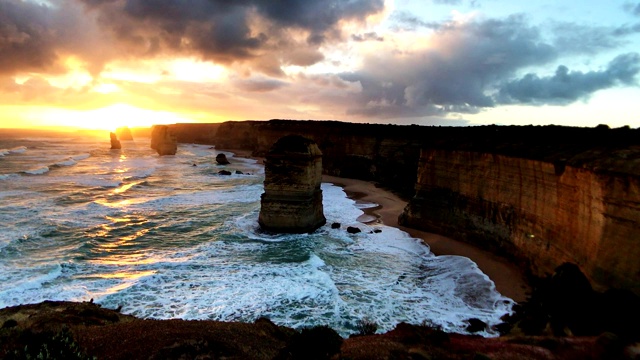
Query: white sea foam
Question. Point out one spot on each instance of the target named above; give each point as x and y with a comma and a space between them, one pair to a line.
8, 176
18, 150
167, 240
38, 171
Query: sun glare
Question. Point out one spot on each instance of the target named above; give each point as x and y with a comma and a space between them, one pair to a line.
107, 118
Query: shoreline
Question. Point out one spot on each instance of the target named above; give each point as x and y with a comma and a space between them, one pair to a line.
509, 280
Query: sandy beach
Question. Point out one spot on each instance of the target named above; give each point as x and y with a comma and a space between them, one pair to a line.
508, 278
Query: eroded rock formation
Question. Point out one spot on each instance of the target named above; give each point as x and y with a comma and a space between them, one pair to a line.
115, 143
292, 198
124, 133
583, 210
221, 159
163, 141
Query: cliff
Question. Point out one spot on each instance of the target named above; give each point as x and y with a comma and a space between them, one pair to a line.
292, 198
542, 195
575, 202
387, 154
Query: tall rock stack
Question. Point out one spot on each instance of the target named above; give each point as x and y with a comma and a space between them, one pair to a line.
292, 199
163, 141
115, 143
124, 133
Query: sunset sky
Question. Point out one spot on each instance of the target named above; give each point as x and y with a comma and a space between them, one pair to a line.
108, 63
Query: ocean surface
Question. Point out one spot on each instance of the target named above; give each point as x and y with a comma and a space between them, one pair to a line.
165, 239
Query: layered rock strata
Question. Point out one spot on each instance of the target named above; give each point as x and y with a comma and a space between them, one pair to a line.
163, 140
115, 143
542, 213
292, 198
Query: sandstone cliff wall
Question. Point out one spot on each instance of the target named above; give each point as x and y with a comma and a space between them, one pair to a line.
541, 195
387, 154
541, 213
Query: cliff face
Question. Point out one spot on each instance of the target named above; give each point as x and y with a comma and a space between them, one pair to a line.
292, 198
542, 195
387, 154
542, 213
163, 140
194, 133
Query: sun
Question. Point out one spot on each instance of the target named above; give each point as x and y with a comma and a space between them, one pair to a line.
111, 117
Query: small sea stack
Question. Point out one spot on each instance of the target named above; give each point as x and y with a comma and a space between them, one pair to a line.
115, 143
124, 133
221, 159
292, 198
163, 141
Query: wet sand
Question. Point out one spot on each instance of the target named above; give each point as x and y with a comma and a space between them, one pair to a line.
508, 278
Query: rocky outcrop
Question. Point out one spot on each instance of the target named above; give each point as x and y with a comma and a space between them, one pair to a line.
163, 140
115, 143
221, 159
85, 330
583, 208
124, 133
292, 198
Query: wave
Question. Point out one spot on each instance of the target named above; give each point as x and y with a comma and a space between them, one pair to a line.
8, 176
18, 150
72, 160
38, 171
15, 150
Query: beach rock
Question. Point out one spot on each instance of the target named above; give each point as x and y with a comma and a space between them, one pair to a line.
475, 325
124, 133
292, 198
221, 159
238, 172
115, 143
335, 225
353, 230
163, 141
224, 172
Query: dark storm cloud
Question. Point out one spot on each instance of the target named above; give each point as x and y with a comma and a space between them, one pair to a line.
471, 66
26, 38
566, 86
454, 74
222, 30
34, 37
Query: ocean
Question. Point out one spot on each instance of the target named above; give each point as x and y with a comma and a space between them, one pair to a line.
164, 239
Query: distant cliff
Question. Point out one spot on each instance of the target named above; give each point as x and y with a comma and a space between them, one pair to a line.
542, 195
387, 154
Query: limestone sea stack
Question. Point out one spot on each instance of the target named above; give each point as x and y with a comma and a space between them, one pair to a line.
124, 133
163, 141
292, 198
115, 143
